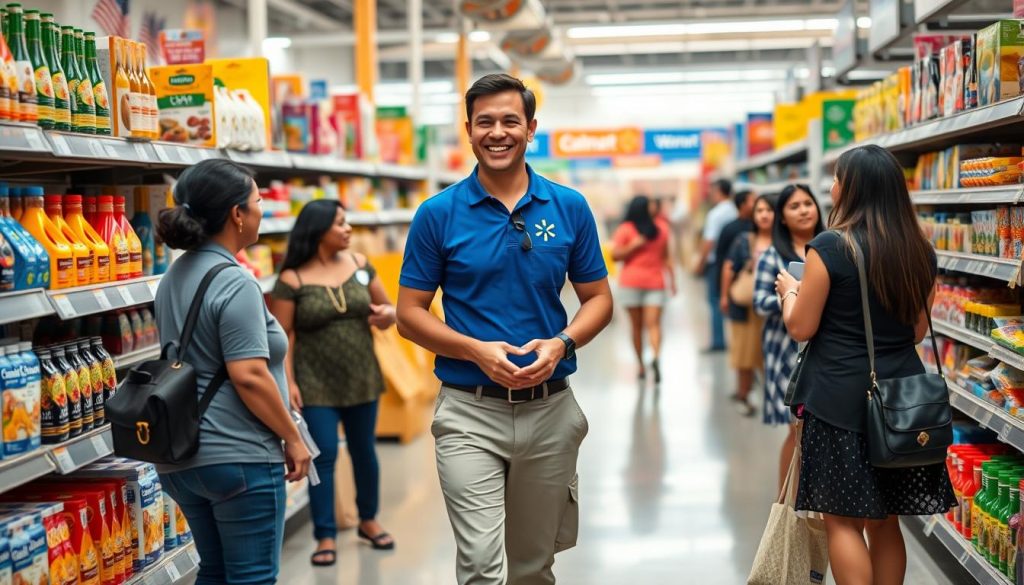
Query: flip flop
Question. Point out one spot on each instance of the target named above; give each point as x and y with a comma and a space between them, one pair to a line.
332, 558
377, 542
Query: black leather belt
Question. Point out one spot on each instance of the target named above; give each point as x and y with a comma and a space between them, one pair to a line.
514, 396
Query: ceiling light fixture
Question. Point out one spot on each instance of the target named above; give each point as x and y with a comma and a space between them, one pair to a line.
702, 28
706, 76
271, 43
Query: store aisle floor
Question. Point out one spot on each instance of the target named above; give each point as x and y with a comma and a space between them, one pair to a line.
675, 486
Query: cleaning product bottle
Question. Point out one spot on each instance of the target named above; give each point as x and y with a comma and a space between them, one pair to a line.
32, 265
110, 230
89, 209
70, 374
96, 378
99, 86
86, 96
28, 110
8, 257
84, 384
134, 243
86, 234
143, 226
41, 68
33, 389
85, 263
55, 424
33, 218
61, 99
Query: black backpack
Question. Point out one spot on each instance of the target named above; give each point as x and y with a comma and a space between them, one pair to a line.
156, 411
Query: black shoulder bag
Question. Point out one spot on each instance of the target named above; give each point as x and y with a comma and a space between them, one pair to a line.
910, 422
155, 413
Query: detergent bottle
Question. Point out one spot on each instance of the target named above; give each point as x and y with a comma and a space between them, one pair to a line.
143, 226
134, 243
84, 231
33, 218
32, 265
83, 256
110, 230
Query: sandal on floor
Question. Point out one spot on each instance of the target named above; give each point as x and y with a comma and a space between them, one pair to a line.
378, 542
331, 554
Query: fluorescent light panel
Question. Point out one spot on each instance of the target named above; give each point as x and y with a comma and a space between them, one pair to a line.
276, 43
702, 28
705, 76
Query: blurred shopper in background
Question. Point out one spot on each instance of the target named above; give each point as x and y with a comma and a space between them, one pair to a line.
327, 299
743, 224
232, 491
873, 209
720, 215
738, 279
797, 221
641, 243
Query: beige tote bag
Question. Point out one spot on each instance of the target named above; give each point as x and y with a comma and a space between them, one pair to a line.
793, 549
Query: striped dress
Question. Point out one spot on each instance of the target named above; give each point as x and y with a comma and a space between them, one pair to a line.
780, 351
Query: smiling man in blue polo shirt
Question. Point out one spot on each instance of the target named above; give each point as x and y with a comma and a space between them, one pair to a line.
500, 244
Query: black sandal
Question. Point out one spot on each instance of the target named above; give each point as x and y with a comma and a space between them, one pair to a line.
324, 563
378, 542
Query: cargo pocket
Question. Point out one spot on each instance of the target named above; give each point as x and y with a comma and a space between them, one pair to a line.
570, 526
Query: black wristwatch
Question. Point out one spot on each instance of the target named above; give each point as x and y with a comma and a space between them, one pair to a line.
570, 346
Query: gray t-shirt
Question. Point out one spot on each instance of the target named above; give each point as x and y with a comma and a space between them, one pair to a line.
234, 323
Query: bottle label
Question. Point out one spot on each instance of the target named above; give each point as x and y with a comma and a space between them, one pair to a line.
102, 100
87, 95
86, 112
74, 402
73, 96
102, 268
61, 99
137, 112
84, 271
44, 96
64, 272
54, 409
124, 112
26, 91
122, 257
967, 503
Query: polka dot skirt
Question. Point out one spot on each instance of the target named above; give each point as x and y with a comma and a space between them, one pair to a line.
837, 478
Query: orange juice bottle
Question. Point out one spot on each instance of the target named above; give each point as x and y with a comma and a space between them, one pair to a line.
111, 233
84, 231
82, 254
137, 98
149, 93
134, 243
62, 259
121, 92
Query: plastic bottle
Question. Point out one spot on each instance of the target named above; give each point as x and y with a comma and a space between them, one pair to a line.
86, 98
85, 262
32, 265
8, 82
96, 378
82, 370
143, 226
110, 230
89, 209
54, 403
122, 91
971, 470
85, 233
979, 538
109, 371
58, 249
28, 110
8, 261
134, 243
17, 208
995, 541
1006, 548
61, 97
101, 98
74, 391
33, 378
41, 69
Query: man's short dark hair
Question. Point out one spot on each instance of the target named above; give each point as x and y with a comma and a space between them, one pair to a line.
724, 185
496, 83
741, 196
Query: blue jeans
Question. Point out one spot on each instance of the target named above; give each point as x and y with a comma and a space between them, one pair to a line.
712, 274
360, 435
236, 512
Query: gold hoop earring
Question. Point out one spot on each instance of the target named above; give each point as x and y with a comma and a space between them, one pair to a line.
239, 227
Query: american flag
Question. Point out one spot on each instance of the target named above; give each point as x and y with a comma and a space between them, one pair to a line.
152, 24
112, 16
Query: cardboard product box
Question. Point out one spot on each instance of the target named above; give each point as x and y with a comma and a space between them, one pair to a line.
790, 123
296, 122
1000, 49
837, 123
251, 73
348, 123
322, 133
395, 136
185, 98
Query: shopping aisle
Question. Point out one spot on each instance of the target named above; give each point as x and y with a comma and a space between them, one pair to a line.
675, 486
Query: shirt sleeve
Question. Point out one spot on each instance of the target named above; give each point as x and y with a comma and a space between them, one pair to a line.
830, 246
739, 253
711, 227
283, 292
586, 261
241, 335
766, 302
624, 234
423, 260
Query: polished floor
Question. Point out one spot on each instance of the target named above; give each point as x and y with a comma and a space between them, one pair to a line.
675, 486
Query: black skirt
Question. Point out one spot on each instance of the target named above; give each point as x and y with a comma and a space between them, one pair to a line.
837, 478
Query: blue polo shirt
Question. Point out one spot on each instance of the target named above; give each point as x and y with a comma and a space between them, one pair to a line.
463, 241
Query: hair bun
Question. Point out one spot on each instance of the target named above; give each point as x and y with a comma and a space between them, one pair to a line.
179, 229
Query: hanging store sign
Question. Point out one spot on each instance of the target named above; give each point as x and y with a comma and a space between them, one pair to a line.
540, 147
597, 143
673, 144
182, 47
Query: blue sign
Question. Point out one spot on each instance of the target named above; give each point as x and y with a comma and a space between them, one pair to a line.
673, 144
540, 147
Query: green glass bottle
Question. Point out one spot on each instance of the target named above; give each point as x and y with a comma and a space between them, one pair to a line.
101, 98
28, 110
982, 504
61, 101
3, 23
995, 511
40, 67
86, 96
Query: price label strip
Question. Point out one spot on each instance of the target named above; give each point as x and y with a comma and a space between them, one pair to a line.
173, 572
153, 285
140, 151
102, 300
194, 555
35, 141
60, 144
126, 295
65, 464
64, 306
929, 525
186, 155
100, 445
97, 149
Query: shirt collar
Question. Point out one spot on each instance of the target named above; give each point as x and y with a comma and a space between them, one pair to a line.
216, 248
537, 188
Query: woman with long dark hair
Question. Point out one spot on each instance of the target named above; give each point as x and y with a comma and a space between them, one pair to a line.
797, 222
872, 209
745, 325
233, 490
327, 299
641, 243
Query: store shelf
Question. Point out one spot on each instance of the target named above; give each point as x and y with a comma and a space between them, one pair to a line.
64, 458
133, 358
22, 138
405, 173
930, 10
1007, 356
1010, 194
276, 225
71, 303
274, 159
775, 187
105, 148
24, 304
991, 267
962, 334
792, 152
936, 526
943, 129
328, 164
1009, 428
175, 567
379, 218
446, 178
182, 155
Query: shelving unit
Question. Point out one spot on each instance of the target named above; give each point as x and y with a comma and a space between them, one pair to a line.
1009, 428
284, 225
790, 153
77, 302
1008, 195
63, 458
175, 567
939, 528
132, 358
997, 268
963, 335
776, 187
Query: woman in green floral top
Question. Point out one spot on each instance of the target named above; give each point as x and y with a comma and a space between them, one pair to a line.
327, 299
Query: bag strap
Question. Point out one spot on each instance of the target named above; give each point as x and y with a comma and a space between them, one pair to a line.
197, 304
789, 485
868, 330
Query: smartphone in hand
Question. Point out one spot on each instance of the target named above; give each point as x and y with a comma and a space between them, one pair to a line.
796, 269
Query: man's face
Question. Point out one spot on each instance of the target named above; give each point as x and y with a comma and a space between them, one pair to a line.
499, 131
748, 206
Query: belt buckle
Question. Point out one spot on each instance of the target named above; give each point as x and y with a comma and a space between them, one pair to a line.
509, 396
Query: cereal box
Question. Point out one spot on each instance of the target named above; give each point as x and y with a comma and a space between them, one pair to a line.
185, 98
1000, 48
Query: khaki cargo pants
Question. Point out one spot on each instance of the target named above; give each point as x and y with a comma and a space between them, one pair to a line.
508, 474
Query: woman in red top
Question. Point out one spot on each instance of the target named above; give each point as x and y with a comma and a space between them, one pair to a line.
642, 244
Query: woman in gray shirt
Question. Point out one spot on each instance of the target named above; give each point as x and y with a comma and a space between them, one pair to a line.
233, 491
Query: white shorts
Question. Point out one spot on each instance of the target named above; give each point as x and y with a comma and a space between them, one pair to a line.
641, 297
